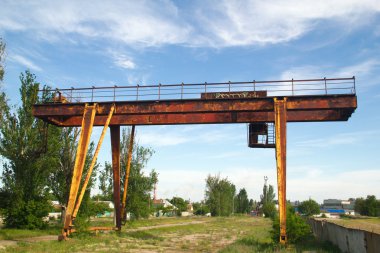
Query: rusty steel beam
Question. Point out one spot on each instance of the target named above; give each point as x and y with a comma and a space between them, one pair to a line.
214, 118
280, 128
115, 146
88, 176
84, 140
127, 170
199, 106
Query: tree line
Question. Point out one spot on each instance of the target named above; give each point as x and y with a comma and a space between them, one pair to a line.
38, 159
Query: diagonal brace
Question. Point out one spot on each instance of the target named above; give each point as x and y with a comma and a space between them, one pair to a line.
88, 176
84, 140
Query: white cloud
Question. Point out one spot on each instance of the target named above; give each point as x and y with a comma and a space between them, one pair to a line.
341, 185
24, 62
366, 72
160, 139
155, 23
122, 60
142, 23
361, 69
237, 23
175, 135
339, 139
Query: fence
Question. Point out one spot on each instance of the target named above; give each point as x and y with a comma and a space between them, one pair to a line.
347, 239
158, 92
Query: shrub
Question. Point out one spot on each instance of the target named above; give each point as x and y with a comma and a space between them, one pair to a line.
296, 227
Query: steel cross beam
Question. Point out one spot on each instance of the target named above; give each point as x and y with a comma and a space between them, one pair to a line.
202, 111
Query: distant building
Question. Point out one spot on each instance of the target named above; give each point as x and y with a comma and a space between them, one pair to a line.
163, 203
336, 207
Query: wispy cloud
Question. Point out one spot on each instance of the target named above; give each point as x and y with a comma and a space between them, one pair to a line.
361, 69
122, 60
159, 139
156, 23
136, 23
175, 135
19, 59
240, 23
366, 72
339, 139
328, 184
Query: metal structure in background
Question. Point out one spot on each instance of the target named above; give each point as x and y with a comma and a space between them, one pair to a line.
266, 106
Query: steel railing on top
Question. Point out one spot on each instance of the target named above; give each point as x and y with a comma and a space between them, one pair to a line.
324, 86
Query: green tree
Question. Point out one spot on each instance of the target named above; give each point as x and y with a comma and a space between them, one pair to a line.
360, 206
60, 178
3, 99
309, 207
369, 206
219, 195
2, 58
267, 201
31, 150
253, 205
140, 184
296, 228
200, 208
105, 182
242, 202
180, 203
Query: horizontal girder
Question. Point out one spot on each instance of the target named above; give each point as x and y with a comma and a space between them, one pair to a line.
201, 111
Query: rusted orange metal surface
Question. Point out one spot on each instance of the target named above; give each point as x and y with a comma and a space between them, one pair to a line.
115, 146
84, 140
300, 109
127, 171
280, 128
95, 157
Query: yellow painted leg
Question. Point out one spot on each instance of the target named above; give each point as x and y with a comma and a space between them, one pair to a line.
280, 128
88, 176
84, 140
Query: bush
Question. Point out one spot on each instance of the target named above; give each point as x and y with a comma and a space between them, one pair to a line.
269, 210
296, 227
309, 207
26, 215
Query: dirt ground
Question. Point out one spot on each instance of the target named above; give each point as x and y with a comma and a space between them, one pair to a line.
191, 235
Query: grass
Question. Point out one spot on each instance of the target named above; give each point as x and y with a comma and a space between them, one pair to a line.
232, 234
14, 234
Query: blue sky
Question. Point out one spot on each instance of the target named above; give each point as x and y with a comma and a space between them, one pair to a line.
149, 42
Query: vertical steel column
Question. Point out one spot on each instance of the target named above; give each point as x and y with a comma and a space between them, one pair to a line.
115, 146
127, 170
280, 126
84, 140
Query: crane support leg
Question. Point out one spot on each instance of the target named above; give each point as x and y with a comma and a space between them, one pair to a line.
88, 176
127, 170
115, 146
84, 140
280, 128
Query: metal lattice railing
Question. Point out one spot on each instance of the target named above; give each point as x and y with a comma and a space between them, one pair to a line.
324, 86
